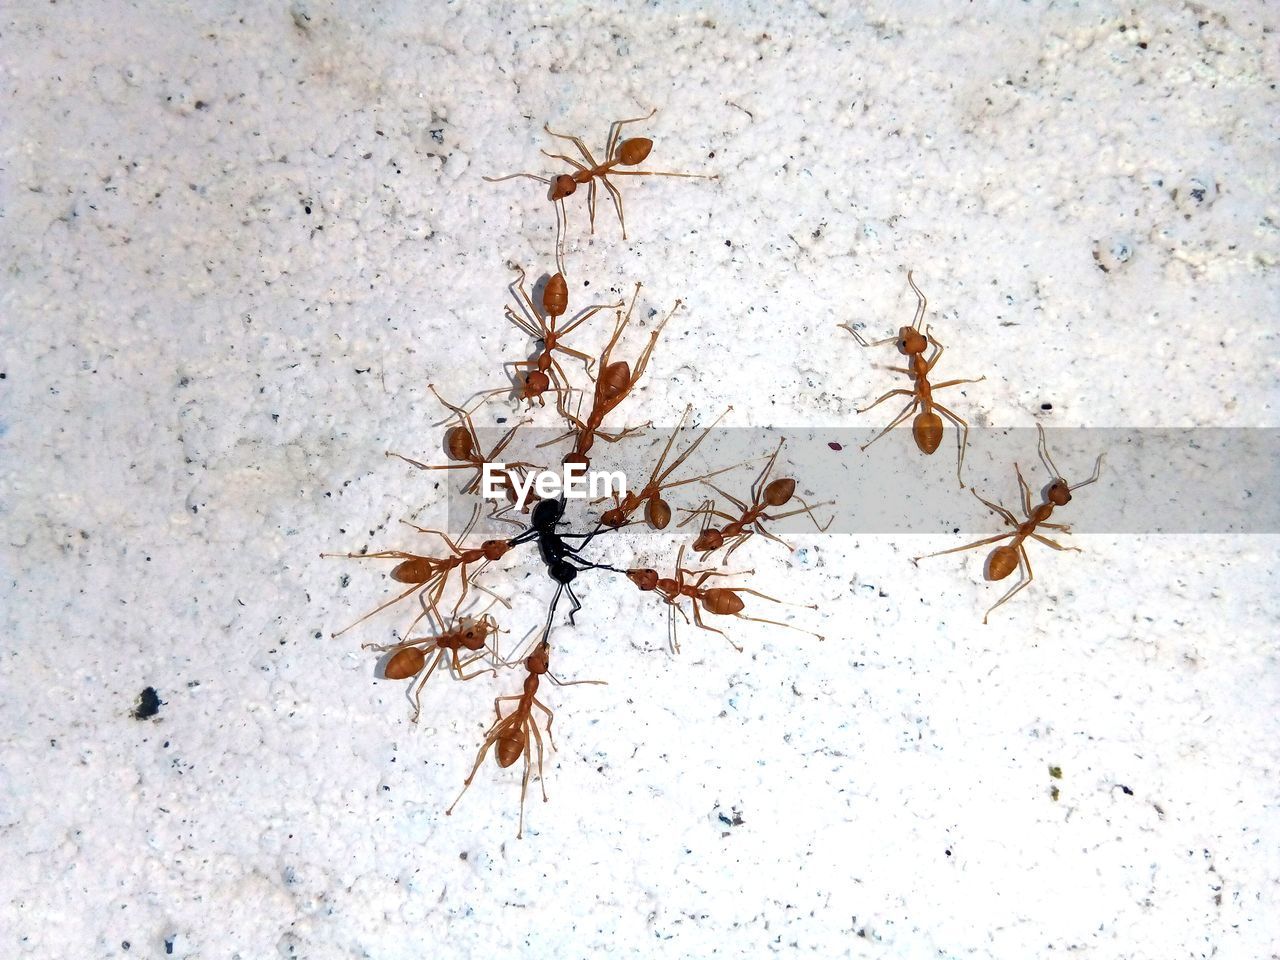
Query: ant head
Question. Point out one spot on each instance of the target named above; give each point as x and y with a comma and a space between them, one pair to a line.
779, 491
1058, 493
658, 512
577, 458
474, 633
562, 186
536, 383
547, 514
457, 443
634, 150
539, 662
613, 518
555, 296
494, 549
911, 341
708, 540
644, 578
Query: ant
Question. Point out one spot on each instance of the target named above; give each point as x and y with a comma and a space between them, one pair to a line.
618, 153
773, 493
1013, 556
561, 559
463, 446
656, 510
545, 372
410, 657
613, 383
927, 426
428, 576
516, 734
722, 601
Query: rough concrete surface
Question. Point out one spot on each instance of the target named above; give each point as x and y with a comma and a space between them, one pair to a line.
239, 240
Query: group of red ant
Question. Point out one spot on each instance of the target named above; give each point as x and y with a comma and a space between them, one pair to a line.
439, 631
467, 643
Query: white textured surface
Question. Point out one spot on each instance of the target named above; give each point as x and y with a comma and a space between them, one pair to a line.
201, 378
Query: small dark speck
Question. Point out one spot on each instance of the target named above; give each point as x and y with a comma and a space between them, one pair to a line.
502, 419
948, 853
1143, 45
1046, 406
345, 580
463, 855
124, 944
835, 446
168, 946
1127, 792
201, 105
307, 209
148, 704
385, 787
4, 376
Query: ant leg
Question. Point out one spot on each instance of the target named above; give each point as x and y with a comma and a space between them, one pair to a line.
490, 739
952, 383
1008, 516
378, 609
591, 207
892, 393
1097, 472
1024, 561
561, 218
416, 698
906, 412
428, 466
1053, 543
967, 546
551, 612
576, 141
537, 740
697, 618
560, 156
938, 351
551, 716
921, 302
1026, 492
962, 436
739, 541
512, 176
863, 341
583, 318
779, 623
523, 323
615, 132
731, 498
617, 203
577, 605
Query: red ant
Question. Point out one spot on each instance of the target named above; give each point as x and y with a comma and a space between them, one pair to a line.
656, 510
624, 153
516, 734
545, 372
927, 426
614, 381
722, 601
773, 493
463, 446
410, 657
428, 576
1013, 556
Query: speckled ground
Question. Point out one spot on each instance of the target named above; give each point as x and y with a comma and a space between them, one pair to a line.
240, 240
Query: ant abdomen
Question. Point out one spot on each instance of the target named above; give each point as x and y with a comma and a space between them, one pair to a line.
658, 513
722, 601
634, 150
927, 429
555, 296
1002, 562
509, 750
405, 664
778, 492
417, 570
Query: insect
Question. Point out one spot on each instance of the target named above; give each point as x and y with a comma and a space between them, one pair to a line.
516, 735
410, 657
428, 576
463, 447
1013, 556
722, 601
927, 426
657, 511
613, 382
765, 493
545, 372
563, 562
618, 153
